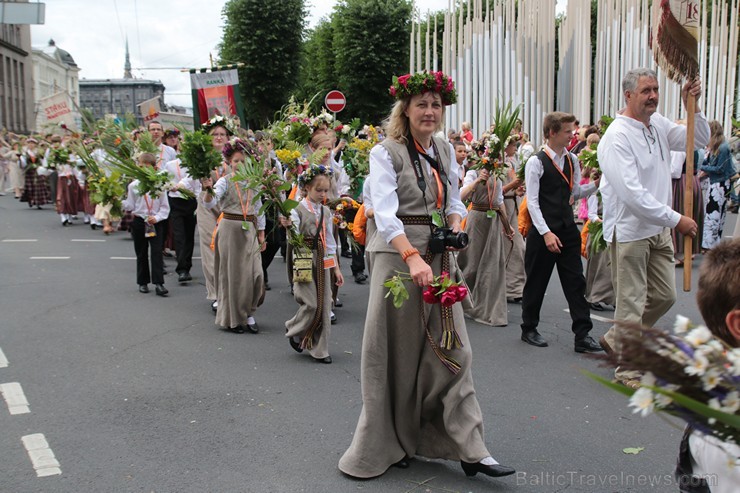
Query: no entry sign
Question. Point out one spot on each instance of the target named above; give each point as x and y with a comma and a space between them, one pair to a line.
335, 101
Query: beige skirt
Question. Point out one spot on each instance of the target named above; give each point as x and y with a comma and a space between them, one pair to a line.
206, 224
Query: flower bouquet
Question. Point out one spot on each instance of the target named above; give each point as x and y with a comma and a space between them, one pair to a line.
198, 154
57, 157
356, 158
596, 231
588, 157
689, 374
493, 159
443, 290
294, 124
291, 159
106, 190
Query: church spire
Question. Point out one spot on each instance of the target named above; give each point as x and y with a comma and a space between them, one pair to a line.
127, 65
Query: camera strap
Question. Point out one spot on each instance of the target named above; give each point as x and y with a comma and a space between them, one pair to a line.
413, 149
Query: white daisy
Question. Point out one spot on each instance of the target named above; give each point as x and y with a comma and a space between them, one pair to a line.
642, 401
698, 336
681, 325
698, 365
734, 357
731, 403
711, 379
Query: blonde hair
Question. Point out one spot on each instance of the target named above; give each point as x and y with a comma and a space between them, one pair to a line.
397, 127
717, 136
593, 139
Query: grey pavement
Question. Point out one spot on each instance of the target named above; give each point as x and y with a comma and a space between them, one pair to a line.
138, 393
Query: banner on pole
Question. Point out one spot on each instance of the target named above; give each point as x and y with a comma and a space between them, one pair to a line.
150, 110
215, 93
57, 109
675, 40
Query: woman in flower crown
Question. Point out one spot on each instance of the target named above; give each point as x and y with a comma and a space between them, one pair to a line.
418, 396
35, 189
310, 327
220, 129
237, 241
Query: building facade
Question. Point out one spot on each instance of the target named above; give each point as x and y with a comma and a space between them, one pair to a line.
54, 71
16, 86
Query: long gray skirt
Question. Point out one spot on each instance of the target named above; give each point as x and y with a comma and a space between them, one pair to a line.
412, 404
483, 266
206, 224
305, 295
238, 273
515, 276
599, 285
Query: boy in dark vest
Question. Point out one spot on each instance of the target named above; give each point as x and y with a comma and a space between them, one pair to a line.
552, 178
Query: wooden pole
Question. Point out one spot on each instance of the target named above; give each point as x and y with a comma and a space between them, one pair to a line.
688, 198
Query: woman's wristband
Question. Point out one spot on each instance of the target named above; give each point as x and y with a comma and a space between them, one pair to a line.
409, 253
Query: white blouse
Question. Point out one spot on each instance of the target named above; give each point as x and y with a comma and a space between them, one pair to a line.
331, 244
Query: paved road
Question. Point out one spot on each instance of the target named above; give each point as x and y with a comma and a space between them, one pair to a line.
134, 392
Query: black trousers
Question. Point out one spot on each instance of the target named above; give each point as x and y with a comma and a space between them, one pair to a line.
539, 263
343, 240
358, 260
141, 245
275, 238
182, 218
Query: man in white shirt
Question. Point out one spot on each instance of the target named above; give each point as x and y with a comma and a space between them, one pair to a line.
635, 158
553, 178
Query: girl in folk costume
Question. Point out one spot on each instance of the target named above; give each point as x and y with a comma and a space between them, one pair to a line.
309, 328
718, 166
513, 246
220, 129
599, 287
483, 263
237, 241
35, 190
84, 203
418, 397
147, 230
68, 188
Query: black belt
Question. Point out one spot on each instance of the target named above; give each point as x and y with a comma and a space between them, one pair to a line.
416, 220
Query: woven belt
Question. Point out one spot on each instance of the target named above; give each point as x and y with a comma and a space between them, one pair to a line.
480, 207
310, 242
416, 220
239, 217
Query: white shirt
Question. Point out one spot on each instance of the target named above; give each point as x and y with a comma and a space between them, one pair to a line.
383, 196
341, 178
677, 160
181, 178
366, 197
716, 461
636, 182
534, 170
145, 206
166, 154
331, 244
593, 208
219, 191
470, 178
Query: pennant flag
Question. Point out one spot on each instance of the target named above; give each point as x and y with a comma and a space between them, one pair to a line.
57, 110
675, 37
215, 93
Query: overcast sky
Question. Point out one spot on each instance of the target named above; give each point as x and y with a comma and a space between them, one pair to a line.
177, 33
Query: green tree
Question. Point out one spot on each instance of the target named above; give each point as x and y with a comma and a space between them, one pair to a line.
267, 38
371, 44
318, 74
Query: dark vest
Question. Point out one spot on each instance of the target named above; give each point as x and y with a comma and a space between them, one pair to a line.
555, 194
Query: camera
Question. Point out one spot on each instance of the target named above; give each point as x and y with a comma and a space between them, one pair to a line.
442, 238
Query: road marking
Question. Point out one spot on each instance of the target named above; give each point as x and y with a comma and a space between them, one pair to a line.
14, 397
42, 457
19, 241
49, 258
3, 359
90, 241
596, 317
123, 258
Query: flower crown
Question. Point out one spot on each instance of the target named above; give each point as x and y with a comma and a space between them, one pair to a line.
312, 172
220, 121
235, 145
409, 85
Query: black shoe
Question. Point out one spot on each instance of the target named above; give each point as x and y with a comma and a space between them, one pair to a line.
326, 361
346, 254
143, 288
65, 222
338, 304
267, 287
514, 300
253, 328
333, 319
588, 345
93, 226
236, 330
532, 337
596, 306
295, 345
360, 278
183, 277
403, 463
214, 306
160, 290
495, 471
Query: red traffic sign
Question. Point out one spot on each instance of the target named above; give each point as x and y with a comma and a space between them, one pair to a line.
335, 101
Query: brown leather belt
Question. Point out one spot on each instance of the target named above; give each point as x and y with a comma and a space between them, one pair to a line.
238, 217
480, 207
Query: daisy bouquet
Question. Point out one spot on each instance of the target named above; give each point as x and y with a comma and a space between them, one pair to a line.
689, 374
